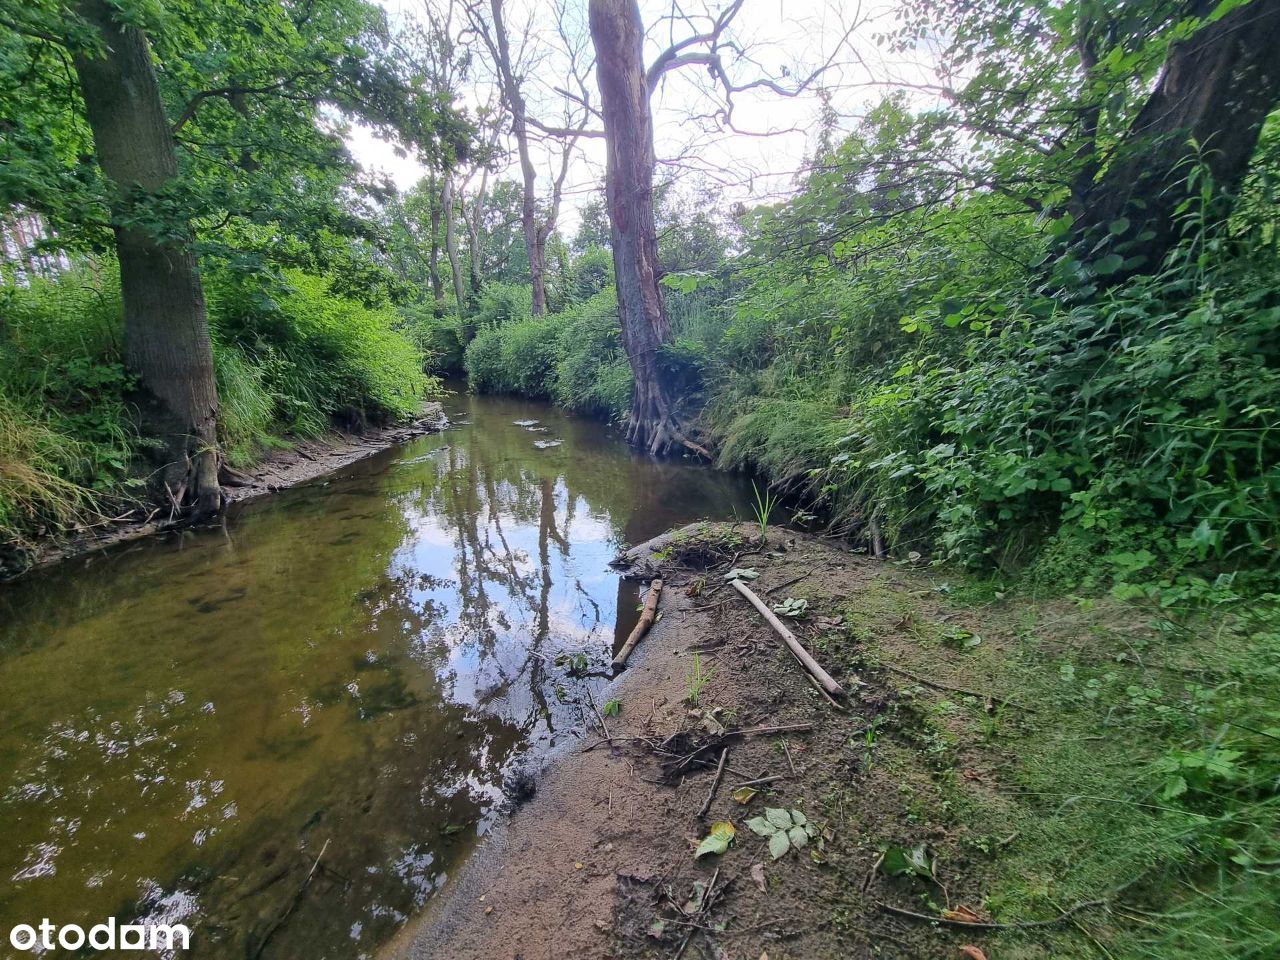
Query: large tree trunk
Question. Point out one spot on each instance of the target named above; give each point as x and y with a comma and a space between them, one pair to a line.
166, 333
1217, 88
520, 129
618, 35
451, 241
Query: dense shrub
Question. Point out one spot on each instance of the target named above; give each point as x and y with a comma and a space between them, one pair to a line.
574, 357
288, 357
321, 356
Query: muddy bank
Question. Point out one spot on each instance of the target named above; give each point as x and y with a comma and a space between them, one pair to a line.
279, 469
601, 862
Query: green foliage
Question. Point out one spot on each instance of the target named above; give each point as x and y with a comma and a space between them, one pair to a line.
322, 357
288, 358
574, 357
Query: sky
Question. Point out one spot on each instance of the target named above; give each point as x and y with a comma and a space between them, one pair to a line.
772, 135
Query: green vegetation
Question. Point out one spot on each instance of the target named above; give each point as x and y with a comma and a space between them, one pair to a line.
1133, 763
288, 364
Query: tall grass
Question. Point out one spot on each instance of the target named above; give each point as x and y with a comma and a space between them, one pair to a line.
290, 357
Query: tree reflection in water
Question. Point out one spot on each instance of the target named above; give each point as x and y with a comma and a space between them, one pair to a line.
187, 723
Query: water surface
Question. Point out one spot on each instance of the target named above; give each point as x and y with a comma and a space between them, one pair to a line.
288, 733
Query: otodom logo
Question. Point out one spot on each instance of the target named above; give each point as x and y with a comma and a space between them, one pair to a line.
101, 936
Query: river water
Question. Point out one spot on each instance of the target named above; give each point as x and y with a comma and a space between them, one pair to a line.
287, 734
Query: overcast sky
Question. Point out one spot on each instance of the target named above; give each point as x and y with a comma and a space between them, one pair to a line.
786, 39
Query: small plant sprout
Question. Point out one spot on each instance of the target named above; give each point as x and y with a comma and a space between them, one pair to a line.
763, 509
611, 708
696, 681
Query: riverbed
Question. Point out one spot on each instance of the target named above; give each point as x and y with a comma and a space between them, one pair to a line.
288, 732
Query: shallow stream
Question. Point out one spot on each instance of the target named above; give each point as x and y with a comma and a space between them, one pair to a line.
286, 734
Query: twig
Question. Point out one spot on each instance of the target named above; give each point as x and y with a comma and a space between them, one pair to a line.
789, 583
785, 728
790, 763
758, 781
715, 782
968, 693
600, 716
1024, 925
297, 897
806, 659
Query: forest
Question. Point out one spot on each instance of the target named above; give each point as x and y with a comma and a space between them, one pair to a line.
1013, 318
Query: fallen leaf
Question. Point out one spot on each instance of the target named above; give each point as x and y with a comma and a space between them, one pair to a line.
962, 914
717, 841
757, 874
972, 952
744, 794
970, 774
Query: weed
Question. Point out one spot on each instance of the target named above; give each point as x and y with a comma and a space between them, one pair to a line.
762, 508
696, 681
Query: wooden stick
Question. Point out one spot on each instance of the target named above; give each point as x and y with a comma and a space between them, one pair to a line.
715, 782
757, 782
877, 542
646, 621
815, 669
785, 728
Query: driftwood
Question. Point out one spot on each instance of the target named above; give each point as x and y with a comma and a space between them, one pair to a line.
824, 679
646, 621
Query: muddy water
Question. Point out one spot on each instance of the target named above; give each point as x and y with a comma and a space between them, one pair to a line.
288, 733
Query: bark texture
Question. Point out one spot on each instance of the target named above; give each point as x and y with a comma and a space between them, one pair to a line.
618, 35
1217, 88
166, 333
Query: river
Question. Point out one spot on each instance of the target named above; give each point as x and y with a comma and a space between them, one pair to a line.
287, 733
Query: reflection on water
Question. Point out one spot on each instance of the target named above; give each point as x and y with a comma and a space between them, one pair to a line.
334, 688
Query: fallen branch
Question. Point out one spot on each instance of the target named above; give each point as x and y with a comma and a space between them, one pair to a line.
758, 781
950, 689
642, 627
815, 670
1024, 925
715, 782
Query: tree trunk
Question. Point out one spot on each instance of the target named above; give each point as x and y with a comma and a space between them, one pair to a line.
471, 217
451, 241
519, 128
618, 35
433, 260
1217, 88
166, 333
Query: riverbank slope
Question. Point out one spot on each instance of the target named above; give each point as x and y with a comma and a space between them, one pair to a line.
956, 801
277, 469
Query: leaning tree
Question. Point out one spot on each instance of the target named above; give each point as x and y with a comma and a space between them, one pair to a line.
166, 333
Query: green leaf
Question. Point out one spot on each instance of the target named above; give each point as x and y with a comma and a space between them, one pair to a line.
899, 861
1119, 226
1108, 264
717, 841
743, 795
779, 844
798, 836
780, 818
761, 826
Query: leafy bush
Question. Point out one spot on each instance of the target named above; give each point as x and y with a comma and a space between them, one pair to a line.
501, 303
574, 357
442, 340
519, 357
591, 272
322, 356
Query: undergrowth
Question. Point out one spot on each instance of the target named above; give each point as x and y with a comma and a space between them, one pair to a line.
291, 357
